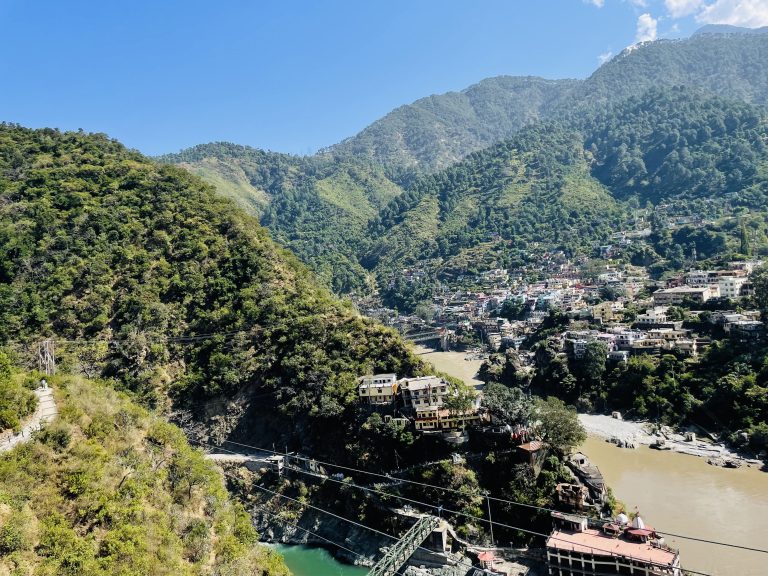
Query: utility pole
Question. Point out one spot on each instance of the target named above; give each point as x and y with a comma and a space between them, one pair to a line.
490, 520
46, 356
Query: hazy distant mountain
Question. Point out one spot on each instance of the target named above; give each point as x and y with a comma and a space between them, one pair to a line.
439, 130
728, 29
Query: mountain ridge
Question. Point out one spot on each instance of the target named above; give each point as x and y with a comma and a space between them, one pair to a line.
334, 239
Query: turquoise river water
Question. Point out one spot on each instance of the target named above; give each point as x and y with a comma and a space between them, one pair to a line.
310, 561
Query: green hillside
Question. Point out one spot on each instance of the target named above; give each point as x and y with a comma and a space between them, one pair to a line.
679, 144
147, 277
730, 66
17, 401
553, 187
317, 207
668, 121
436, 131
109, 489
532, 191
150, 281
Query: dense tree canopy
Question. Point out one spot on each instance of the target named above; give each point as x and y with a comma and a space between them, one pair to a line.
155, 281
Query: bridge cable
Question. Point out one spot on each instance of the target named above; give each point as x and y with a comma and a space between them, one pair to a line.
502, 500
358, 524
458, 513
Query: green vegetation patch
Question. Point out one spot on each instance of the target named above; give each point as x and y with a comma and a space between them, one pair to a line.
108, 488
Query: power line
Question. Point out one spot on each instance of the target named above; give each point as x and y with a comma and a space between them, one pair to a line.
273, 515
358, 524
427, 505
185, 338
391, 478
192, 338
475, 517
502, 500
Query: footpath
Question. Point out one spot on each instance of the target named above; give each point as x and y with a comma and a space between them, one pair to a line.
46, 412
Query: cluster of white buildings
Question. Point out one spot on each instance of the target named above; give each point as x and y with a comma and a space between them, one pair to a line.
421, 400
702, 285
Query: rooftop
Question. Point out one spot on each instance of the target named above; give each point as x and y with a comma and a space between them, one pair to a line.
594, 542
422, 382
531, 446
681, 290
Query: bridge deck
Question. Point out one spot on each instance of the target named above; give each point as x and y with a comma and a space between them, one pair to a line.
404, 548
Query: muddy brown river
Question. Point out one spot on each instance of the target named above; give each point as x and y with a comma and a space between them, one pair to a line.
684, 495
677, 493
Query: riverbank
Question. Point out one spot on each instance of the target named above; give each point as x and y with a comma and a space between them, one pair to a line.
457, 364
634, 433
317, 530
681, 495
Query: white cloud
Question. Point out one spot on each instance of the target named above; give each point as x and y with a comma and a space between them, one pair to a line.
681, 8
605, 56
646, 28
750, 13
598, 3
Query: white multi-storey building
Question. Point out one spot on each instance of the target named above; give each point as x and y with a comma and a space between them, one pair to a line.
378, 389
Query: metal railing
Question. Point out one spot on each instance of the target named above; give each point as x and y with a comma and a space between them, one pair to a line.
404, 548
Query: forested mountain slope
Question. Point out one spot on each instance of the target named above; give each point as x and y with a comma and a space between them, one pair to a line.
532, 190
680, 143
317, 207
731, 66
148, 279
146, 276
438, 130
567, 187
667, 120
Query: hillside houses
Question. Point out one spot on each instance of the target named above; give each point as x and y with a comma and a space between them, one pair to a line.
422, 400
680, 294
423, 391
380, 389
499, 309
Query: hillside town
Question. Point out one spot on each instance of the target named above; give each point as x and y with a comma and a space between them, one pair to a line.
620, 306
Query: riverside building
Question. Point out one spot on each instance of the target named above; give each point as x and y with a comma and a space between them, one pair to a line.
616, 548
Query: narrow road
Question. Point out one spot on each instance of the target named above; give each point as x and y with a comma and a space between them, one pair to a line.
46, 412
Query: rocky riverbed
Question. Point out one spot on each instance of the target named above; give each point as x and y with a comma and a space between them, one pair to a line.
633, 433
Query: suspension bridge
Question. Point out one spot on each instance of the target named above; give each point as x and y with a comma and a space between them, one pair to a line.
403, 549
397, 555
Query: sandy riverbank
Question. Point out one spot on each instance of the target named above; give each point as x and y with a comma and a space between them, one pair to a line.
644, 433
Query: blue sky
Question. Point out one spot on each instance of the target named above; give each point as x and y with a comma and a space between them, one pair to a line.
294, 76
